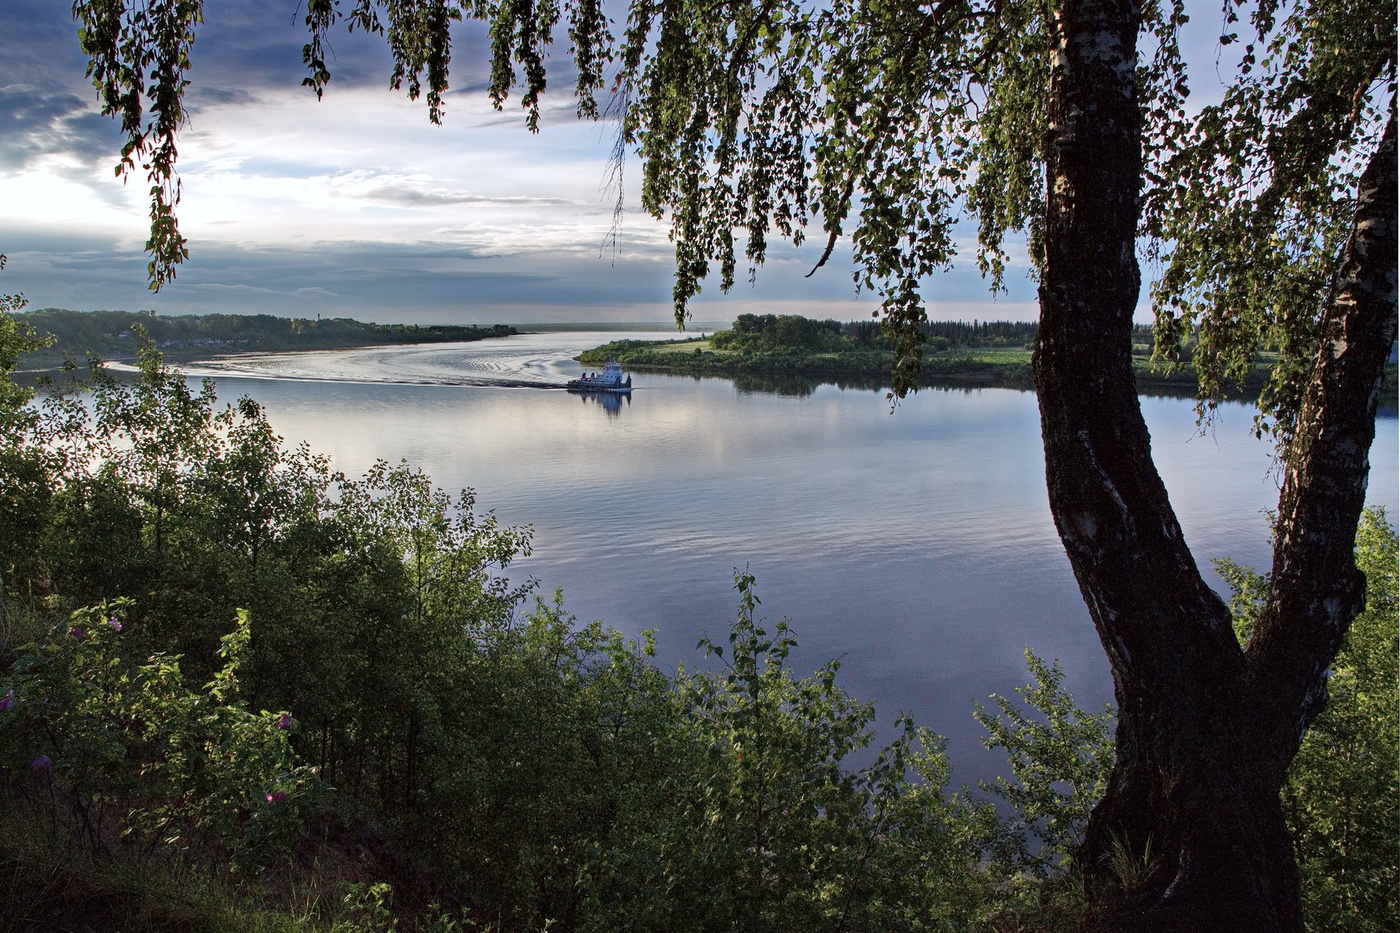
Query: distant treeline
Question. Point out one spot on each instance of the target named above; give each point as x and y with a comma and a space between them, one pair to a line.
788, 345
942, 335
794, 331
790, 331
117, 334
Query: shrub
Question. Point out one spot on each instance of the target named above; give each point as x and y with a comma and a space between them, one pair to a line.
766, 828
127, 754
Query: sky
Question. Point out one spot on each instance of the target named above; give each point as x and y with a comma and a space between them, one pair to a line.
356, 206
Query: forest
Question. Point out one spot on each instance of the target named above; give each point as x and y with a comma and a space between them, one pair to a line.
118, 335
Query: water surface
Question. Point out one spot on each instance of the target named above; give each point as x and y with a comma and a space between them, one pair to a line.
915, 544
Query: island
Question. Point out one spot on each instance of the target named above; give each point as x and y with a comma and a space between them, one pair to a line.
791, 354
116, 335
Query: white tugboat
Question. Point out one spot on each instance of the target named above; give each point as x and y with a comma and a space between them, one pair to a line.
609, 380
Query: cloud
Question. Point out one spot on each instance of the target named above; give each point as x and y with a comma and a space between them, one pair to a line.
199, 97
354, 204
253, 45
241, 289
419, 192
39, 40
53, 126
236, 289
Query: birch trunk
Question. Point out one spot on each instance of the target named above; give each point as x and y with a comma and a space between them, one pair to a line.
1190, 835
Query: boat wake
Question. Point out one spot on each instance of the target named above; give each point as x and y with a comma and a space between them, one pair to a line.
527, 361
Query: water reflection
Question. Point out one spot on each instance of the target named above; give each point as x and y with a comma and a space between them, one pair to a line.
795, 386
785, 385
611, 402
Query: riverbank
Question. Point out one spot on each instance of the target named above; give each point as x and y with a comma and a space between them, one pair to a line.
1008, 367
1000, 367
118, 335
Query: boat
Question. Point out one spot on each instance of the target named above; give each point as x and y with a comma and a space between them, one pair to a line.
610, 379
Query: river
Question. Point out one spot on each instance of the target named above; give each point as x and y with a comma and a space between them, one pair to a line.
914, 543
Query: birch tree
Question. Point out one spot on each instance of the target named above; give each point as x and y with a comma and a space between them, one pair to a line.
879, 126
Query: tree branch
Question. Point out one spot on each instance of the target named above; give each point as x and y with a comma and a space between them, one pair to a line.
1315, 589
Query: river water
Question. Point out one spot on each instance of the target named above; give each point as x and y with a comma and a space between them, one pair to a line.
914, 543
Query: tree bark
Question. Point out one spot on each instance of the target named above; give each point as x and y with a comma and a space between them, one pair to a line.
1190, 835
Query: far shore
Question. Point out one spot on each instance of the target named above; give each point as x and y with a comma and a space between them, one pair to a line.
1008, 367
117, 336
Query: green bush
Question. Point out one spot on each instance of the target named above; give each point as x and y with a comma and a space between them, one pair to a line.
760, 824
128, 755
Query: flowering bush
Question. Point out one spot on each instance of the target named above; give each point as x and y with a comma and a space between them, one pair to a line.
127, 752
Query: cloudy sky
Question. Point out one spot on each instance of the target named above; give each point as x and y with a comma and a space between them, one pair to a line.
356, 205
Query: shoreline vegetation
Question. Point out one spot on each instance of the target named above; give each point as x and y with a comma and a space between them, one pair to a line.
790, 354
118, 335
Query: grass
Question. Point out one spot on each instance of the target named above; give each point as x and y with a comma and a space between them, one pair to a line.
689, 346
49, 881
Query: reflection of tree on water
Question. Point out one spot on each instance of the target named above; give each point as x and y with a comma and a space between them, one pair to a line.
798, 386
784, 385
795, 386
611, 401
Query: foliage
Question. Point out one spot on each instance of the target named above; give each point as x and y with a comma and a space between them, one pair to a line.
1250, 199
754, 332
547, 770
768, 830
546, 736
148, 491
1059, 756
138, 60
16, 339
126, 752
24, 491
50, 882
1342, 797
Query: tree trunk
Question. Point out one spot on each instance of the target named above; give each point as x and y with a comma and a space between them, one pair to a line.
1315, 589
1190, 835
